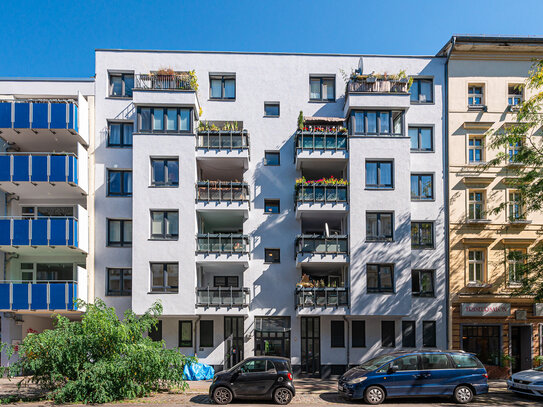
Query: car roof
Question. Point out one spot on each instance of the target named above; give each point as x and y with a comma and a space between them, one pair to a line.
418, 351
272, 358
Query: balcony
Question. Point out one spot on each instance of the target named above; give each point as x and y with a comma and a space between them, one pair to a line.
368, 91
320, 198
228, 142
222, 297
324, 297
39, 296
322, 249
230, 247
222, 195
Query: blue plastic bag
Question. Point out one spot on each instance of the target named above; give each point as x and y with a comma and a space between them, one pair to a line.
198, 371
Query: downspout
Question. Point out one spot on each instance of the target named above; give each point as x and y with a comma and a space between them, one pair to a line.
348, 345
195, 348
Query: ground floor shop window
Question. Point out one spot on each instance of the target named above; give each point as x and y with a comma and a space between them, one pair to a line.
484, 341
272, 336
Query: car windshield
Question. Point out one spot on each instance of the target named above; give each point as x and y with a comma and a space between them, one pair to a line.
377, 362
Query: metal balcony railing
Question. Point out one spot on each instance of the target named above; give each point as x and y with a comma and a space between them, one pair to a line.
223, 139
222, 297
40, 231
222, 191
180, 81
223, 243
377, 85
321, 297
39, 296
39, 114
318, 244
321, 193
38, 167
320, 140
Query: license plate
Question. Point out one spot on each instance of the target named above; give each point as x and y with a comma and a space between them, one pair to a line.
521, 386
340, 387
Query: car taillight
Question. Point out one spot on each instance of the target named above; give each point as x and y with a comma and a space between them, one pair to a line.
485, 375
289, 375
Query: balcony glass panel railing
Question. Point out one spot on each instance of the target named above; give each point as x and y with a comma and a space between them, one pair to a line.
318, 244
321, 193
38, 296
38, 167
39, 114
223, 139
40, 231
222, 297
318, 138
176, 81
222, 243
377, 85
222, 191
321, 297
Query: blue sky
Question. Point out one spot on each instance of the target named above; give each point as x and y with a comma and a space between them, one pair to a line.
57, 38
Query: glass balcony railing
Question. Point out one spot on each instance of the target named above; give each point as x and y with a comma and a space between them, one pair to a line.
318, 244
223, 139
320, 140
321, 297
224, 243
369, 84
39, 296
40, 231
321, 193
222, 191
222, 297
175, 81
39, 114
38, 167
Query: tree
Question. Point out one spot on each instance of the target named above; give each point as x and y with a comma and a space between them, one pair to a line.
100, 358
520, 148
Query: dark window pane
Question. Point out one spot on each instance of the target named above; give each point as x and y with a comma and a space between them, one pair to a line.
414, 136
272, 256
409, 334
158, 171
337, 332
359, 122
371, 173
429, 335
271, 158
116, 85
216, 88
206, 334
271, 206
426, 139
155, 333
359, 334
114, 182
185, 334
184, 119
388, 334
384, 121
229, 88
128, 84
114, 134
414, 91
271, 109
426, 91
145, 117
372, 122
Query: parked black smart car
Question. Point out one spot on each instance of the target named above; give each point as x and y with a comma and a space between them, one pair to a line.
263, 377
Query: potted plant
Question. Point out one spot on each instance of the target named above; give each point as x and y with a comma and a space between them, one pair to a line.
301, 120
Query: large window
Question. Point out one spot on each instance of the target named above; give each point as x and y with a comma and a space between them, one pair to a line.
119, 232
164, 172
380, 278
476, 150
119, 183
422, 138
165, 225
119, 282
516, 259
185, 334
476, 205
484, 341
388, 334
475, 96
422, 91
337, 334
422, 235
120, 134
206, 334
225, 281
379, 174
514, 150
121, 84
164, 120
514, 94
476, 266
422, 283
379, 226
359, 334
222, 86
516, 210
374, 123
322, 88
165, 277
409, 338
422, 187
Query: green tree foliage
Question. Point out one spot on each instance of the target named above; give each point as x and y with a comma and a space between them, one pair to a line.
100, 358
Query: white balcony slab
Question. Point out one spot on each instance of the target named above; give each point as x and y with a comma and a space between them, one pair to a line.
315, 208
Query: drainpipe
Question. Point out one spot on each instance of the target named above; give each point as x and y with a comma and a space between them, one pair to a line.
348, 344
194, 333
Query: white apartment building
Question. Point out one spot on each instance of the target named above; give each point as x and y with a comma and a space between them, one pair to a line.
196, 203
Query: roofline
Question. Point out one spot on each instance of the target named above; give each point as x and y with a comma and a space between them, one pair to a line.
45, 79
491, 39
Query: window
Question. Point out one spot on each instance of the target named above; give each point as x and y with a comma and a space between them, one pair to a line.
380, 278
476, 265
379, 226
422, 235
484, 341
516, 259
119, 232
120, 134
435, 361
379, 174
164, 172
164, 119
422, 187
165, 225
255, 366
422, 91
164, 277
476, 205
359, 334
422, 283
372, 123
422, 138
475, 96
465, 361
409, 329
322, 88
155, 333
222, 86
337, 334
271, 205
514, 150
225, 281
476, 150
121, 84
272, 158
516, 210
388, 334
119, 282
271, 109
206, 334
407, 363
429, 335
514, 94
119, 182
272, 256
185, 334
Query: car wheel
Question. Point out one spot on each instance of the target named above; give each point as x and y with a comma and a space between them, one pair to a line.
282, 395
222, 395
463, 394
374, 395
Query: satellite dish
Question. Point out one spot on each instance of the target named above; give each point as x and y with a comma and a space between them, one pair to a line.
326, 230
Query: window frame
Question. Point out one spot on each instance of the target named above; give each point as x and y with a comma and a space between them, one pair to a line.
123, 125
420, 246
222, 78
337, 334
122, 292
419, 197
413, 337
273, 261
123, 193
156, 330
267, 104
321, 78
122, 75
226, 282
164, 235
151, 130
514, 95
164, 184
362, 327
388, 323
419, 293
419, 81
378, 238
433, 343
209, 343
122, 242
272, 203
380, 289
164, 288
278, 153
380, 186
475, 203
515, 263
475, 148
378, 132
475, 262
473, 95
419, 138
181, 343
515, 205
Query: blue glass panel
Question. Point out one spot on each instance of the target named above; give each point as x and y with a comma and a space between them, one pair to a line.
40, 115
4, 296
71, 305
39, 232
72, 122
58, 232
72, 176
5, 168
20, 168
20, 232
74, 289
39, 168
4, 232
58, 115
22, 115
39, 296
72, 232
57, 296
20, 296
5, 115
58, 168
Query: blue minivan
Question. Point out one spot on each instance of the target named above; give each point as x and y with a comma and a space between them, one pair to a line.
455, 374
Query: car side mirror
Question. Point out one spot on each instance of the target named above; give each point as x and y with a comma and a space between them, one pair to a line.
393, 369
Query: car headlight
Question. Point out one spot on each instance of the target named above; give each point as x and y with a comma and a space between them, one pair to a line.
539, 383
357, 380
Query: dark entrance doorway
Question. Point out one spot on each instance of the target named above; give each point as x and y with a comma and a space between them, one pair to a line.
233, 341
272, 336
311, 346
521, 347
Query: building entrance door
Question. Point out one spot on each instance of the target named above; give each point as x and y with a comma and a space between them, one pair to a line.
233, 341
521, 347
311, 346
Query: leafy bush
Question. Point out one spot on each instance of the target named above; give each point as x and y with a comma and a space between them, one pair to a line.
100, 358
